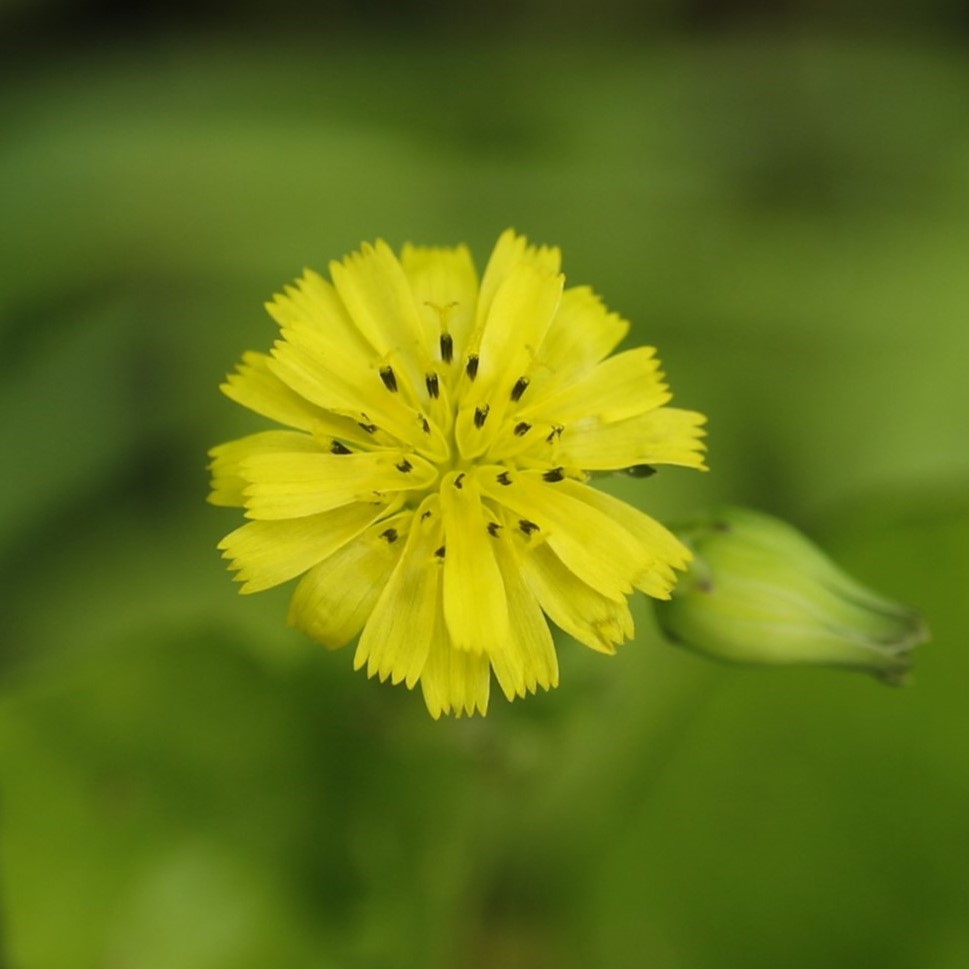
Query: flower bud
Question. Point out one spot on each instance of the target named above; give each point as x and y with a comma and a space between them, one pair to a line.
759, 592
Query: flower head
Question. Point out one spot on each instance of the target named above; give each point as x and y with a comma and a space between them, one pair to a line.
432, 482
759, 592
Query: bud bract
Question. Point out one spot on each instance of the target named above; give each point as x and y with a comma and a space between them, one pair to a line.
759, 592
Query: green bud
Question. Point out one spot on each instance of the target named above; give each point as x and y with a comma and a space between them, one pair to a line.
759, 592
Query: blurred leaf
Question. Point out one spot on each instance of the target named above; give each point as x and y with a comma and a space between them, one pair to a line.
810, 819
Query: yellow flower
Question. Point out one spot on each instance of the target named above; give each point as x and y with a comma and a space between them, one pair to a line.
432, 485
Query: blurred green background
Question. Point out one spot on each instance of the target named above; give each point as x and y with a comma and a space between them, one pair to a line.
776, 195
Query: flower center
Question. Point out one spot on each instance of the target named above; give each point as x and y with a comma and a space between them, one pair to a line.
442, 418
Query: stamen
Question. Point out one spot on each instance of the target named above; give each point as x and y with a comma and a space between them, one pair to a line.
440, 552
433, 387
337, 448
526, 526
554, 433
459, 481
519, 388
493, 529
556, 474
369, 428
425, 427
389, 378
641, 471
444, 312
472, 367
447, 347
405, 466
504, 479
390, 534
481, 415
426, 515
522, 428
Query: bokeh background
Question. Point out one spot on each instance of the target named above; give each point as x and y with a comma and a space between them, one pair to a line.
777, 195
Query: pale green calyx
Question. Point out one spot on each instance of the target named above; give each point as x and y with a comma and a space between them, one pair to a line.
759, 592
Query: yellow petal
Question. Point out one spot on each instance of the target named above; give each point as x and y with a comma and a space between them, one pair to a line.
511, 251
526, 659
575, 607
327, 377
337, 382
582, 333
520, 314
619, 387
664, 436
397, 637
659, 550
378, 297
454, 681
598, 550
475, 606
312, 303
255, 386
265, 553
445, 288
292, 485
516, 324
334, 599
228, 483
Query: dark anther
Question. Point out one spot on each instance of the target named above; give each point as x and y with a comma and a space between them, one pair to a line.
390, 534
459, 481
433, 387
526, 526
405, 466
426, 515
504, 479
522, 428
447, 347
641, 471
556, 474
481, 415
389, 378
519, 388
493, 529
440, 552
425, 427
337, 448
472, 368
369, 428
554, 433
